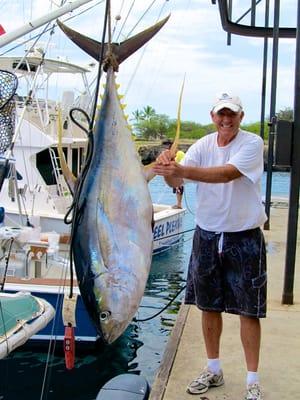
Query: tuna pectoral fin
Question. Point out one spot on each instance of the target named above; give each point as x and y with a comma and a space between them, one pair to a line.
148, 172
121, 51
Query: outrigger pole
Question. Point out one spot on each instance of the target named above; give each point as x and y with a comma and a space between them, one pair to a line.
32, 25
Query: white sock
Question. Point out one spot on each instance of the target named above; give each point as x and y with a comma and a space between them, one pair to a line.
252, 377
214, 365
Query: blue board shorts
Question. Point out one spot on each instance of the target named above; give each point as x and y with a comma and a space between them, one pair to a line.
229, 276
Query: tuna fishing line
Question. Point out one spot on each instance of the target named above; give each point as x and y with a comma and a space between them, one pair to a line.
163, 309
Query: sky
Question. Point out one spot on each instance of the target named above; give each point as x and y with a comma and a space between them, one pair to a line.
191, 44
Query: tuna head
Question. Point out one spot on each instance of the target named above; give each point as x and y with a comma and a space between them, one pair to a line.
118, 293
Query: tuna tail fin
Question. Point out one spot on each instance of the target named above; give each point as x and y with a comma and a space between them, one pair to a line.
122, 50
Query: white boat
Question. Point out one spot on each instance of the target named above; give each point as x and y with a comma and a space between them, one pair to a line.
40, 194
168, 227
22, 315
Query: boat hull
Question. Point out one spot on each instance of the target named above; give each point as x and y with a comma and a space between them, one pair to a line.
168, 229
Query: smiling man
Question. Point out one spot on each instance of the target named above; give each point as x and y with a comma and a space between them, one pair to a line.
227, 269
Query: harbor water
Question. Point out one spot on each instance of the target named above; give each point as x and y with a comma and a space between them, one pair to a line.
40, 374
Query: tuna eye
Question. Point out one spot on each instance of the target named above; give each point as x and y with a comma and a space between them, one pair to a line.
104, 315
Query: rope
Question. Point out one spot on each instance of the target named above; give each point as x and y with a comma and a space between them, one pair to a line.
163, 309
175, 234
132, 4
77, 212
143, 50
187, 205
52, 343
149, 7
117, 18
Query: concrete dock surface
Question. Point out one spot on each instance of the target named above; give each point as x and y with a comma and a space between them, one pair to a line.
279, 369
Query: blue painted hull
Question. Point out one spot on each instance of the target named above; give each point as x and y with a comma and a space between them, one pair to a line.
85, 331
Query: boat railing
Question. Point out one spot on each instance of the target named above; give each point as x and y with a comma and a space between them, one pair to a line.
61, 186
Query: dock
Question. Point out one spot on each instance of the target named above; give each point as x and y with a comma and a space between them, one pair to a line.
279, 366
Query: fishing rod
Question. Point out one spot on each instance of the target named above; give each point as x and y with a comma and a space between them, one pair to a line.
32, 25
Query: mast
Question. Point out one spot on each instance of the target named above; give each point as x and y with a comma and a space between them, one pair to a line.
32, 25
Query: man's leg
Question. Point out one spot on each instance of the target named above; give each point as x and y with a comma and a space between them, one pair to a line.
179, 199
212, 328
212, 375
250, 336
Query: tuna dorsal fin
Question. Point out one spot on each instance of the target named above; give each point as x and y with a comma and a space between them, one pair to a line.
121, 50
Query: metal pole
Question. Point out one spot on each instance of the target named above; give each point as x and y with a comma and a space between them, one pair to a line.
230, 16
264, 77
287, 296
272, 111
247, 12
253, 12
32, 25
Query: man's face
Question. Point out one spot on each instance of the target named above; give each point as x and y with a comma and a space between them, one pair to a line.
227, 121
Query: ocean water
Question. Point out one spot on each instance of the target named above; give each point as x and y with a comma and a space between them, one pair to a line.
40, 374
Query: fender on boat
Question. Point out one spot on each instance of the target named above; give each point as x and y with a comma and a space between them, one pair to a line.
125, 387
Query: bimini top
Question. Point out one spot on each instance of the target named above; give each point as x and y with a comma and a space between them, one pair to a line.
31, 63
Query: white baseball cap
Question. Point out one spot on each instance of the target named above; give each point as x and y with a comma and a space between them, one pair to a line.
227, 100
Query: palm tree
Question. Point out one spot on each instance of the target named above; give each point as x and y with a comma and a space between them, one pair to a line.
148, 112
137, 115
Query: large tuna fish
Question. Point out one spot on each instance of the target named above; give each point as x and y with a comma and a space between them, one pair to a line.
112, 234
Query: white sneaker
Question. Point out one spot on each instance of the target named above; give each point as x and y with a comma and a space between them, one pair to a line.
253, 392
205, 380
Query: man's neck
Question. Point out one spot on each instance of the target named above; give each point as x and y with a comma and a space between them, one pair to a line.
224, 139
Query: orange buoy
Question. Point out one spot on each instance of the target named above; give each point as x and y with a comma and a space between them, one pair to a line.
69, 347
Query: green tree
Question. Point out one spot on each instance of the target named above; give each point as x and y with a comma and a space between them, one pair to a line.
149, 125
148, 112
137, 115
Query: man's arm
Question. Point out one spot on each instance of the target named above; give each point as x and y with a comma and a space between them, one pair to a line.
174, 173
221, 174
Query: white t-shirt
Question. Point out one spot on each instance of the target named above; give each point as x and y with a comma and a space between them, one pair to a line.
234, 206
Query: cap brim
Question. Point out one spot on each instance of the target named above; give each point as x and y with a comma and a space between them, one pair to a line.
232, 107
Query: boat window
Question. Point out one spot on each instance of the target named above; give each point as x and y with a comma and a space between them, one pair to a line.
44, 164
25, 67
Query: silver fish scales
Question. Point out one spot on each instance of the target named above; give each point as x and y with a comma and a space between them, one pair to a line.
112, 237
112, 242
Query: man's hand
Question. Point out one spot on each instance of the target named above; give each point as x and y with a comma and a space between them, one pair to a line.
165, 157
166, 166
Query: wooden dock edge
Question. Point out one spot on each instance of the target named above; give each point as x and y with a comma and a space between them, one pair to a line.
161, 379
